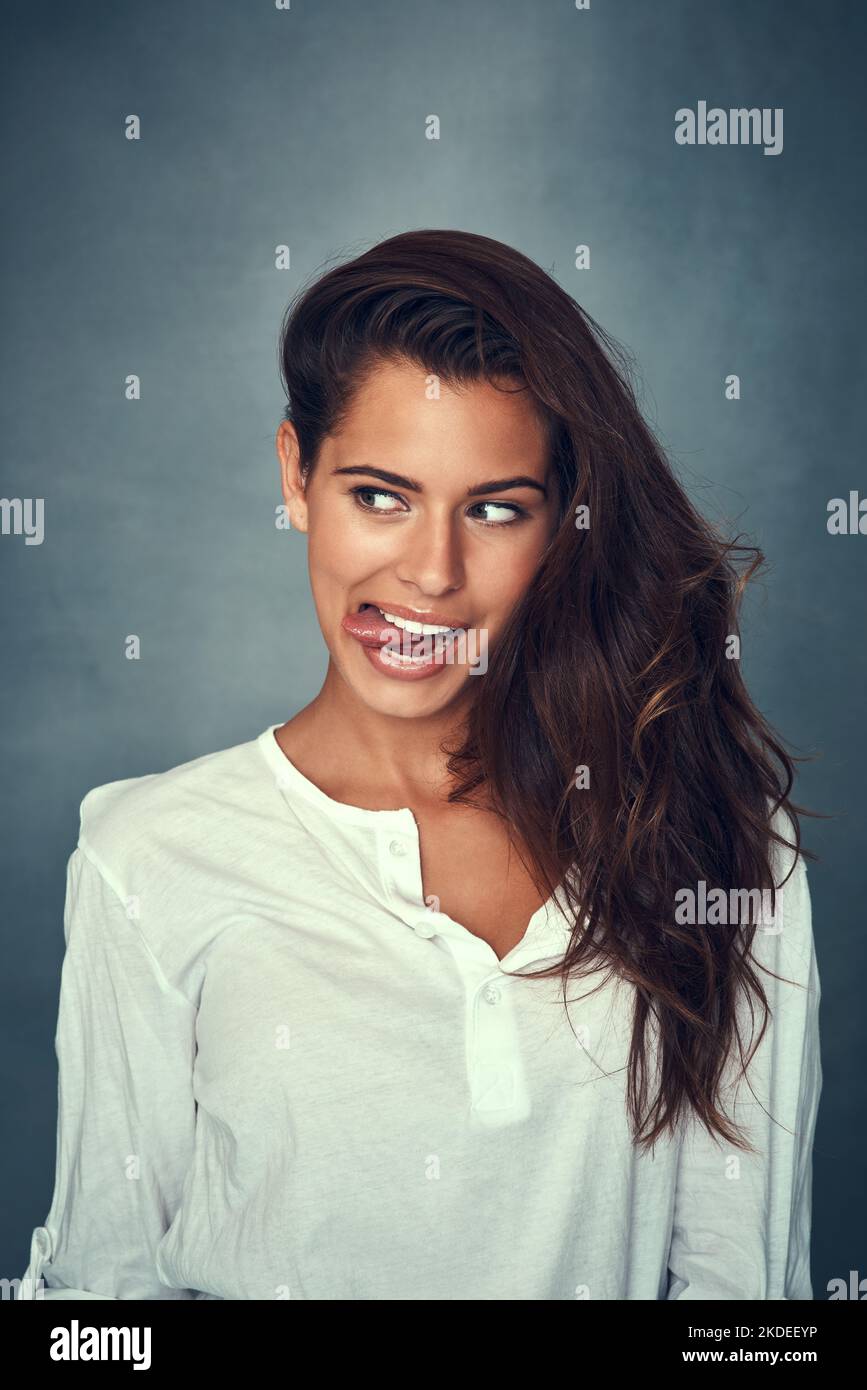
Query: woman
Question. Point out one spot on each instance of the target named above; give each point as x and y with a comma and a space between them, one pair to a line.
469, 980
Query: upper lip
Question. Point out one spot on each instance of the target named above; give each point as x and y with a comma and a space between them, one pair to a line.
415, 615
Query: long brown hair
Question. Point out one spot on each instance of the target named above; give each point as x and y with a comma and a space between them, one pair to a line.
615, 659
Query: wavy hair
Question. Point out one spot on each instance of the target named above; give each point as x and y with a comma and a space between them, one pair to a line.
614, 659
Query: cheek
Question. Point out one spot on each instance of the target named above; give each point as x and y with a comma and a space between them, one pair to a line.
501, 578
342, 553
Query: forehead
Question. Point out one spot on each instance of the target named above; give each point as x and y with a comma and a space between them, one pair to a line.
401, 404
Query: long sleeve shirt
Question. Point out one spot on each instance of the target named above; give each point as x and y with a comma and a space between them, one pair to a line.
282, 1074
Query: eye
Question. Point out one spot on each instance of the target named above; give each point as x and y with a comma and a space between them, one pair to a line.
370, 498
509, 512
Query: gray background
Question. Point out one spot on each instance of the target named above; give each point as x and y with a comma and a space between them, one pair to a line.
261, 127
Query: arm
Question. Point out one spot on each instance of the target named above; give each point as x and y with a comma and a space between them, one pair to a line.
125, 1044
742, 1221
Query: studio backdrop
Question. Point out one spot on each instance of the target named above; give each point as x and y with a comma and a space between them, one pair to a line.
175, 173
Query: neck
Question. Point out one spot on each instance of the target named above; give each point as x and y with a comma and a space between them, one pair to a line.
359, 755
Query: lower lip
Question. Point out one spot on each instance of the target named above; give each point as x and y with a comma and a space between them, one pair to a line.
387, 665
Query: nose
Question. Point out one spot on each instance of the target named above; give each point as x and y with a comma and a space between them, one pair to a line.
433, 559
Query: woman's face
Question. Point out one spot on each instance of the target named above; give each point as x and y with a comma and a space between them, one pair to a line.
432, 510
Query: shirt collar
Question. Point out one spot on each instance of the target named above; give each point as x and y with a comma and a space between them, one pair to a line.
549, 929
290, 779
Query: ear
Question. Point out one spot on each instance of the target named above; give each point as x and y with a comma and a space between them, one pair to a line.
291, 481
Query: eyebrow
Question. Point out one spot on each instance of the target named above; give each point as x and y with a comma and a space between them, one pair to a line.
397, 479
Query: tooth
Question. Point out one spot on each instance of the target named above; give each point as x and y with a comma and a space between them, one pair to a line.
418, 629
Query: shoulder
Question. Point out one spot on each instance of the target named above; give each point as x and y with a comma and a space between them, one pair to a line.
788, 939
786, 861
177, 814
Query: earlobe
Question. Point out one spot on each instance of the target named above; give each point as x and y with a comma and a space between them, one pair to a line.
296, 506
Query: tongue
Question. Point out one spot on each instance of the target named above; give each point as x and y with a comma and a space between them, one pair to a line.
370, 626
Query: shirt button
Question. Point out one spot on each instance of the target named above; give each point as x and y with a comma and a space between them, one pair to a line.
425, 929
492, 995
397, 847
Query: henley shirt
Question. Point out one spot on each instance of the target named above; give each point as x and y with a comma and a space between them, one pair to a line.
283, 1074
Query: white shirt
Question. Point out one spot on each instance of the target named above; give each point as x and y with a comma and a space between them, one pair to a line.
282, 1074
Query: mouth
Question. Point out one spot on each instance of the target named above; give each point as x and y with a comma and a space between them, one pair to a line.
405, 644
422, 625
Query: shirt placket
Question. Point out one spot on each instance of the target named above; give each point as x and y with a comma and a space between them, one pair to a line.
495, 1072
